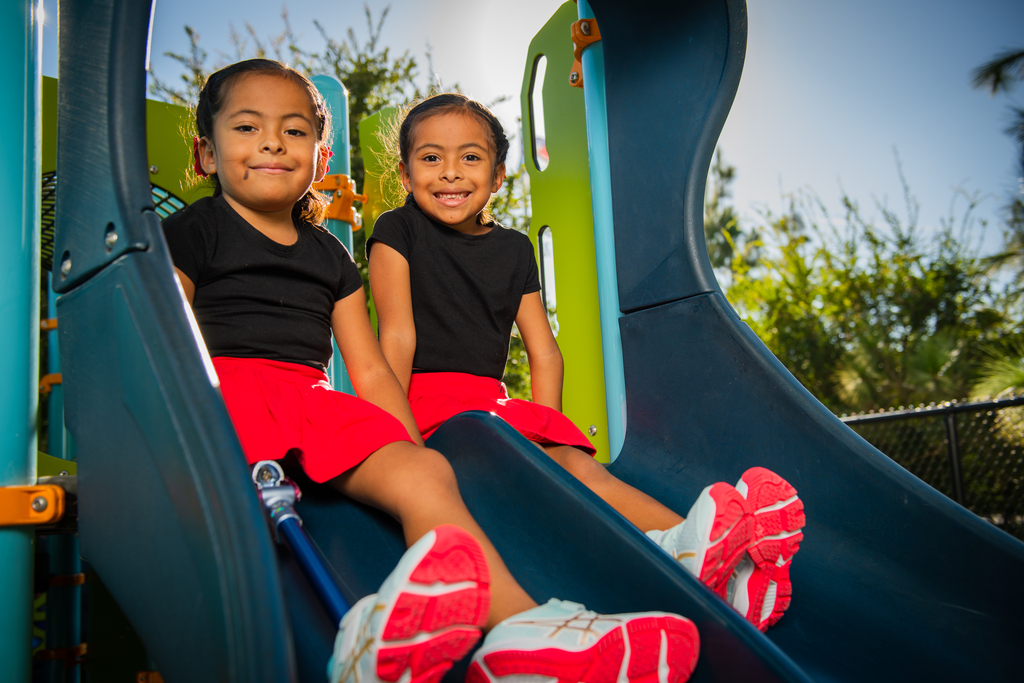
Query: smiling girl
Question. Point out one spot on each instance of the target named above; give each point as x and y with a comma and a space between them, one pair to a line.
448, 283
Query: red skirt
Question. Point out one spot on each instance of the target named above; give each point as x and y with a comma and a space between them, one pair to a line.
437, 396
280, 408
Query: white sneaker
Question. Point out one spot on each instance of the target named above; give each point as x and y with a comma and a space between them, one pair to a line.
563, 641
713, 538
760, 588
426, 616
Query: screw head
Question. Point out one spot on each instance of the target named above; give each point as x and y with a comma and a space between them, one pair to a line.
39, 503
154, 169
593, 430
65, 267
110, 240
574, 76
585, 28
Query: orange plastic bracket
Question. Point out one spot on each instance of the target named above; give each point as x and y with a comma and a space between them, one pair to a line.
21, 505
344, 189
584, 32
47, 382
65, 580
47, 324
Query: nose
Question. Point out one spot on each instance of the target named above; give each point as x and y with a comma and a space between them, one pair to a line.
272, 142
450, 171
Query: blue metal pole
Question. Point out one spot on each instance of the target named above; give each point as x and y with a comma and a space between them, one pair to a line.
337, 100
290, 528
592, 60
21, 93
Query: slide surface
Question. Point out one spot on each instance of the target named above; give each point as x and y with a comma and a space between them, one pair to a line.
893, 581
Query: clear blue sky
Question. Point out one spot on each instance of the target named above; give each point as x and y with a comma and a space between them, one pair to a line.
828, 89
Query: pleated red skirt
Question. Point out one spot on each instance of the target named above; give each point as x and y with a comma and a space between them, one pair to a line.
437, 396
280, 408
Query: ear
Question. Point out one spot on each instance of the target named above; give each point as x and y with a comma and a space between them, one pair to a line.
323, 160
499, 178
207, 158
403, 173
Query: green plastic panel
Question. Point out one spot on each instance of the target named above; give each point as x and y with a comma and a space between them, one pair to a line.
169, 153
561, 200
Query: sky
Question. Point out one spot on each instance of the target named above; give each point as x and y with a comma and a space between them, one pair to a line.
830, 91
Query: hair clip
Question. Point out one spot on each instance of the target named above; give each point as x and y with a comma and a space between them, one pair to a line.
327, 152
195, 158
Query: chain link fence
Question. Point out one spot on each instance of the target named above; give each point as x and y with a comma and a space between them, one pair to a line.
972, 452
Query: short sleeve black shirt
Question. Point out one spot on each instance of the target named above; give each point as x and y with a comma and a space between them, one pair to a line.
256, 298
466, 289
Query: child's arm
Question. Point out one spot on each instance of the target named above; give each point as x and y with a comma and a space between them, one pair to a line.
187, 286
542, 351
392, 295
370, 373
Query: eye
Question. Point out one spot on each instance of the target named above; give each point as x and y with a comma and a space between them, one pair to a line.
245, 128
431, 158
472, 157
295, 132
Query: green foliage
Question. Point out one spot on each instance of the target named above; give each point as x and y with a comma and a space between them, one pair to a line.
871, 316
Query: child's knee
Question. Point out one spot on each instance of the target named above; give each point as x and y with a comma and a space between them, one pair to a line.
430, 472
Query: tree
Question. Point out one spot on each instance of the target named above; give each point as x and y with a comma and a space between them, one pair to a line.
725, 239
1001, 74
870, 316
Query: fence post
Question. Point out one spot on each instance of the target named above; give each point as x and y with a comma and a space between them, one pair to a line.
954, 457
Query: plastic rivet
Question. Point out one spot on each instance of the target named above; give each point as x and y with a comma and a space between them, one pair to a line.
154, 169
593, 430
110, 240
39, 503
585, 28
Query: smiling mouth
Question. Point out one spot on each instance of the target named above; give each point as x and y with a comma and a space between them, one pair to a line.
451, 198
273, 170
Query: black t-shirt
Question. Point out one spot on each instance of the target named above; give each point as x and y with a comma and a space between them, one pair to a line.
466, 289
256, 298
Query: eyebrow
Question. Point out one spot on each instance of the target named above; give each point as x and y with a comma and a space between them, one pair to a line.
434, 145
253, 112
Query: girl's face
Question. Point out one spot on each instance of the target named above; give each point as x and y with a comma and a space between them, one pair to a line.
451, 171
265, 150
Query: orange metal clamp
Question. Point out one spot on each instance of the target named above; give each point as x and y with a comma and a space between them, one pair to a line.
584, 32
47, 382
21, 505
344, 189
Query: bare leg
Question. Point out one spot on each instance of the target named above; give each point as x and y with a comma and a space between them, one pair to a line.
417, 487
635, 505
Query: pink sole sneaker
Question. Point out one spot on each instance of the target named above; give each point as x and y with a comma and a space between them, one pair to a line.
644, 649
730, 535
426, 616
763, 590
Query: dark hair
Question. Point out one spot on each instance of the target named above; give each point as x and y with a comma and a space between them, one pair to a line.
312, 207
447, 103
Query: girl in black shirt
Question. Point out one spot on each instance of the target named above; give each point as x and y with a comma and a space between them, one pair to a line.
448, 283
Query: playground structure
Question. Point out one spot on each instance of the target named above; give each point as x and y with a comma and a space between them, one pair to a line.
893, 580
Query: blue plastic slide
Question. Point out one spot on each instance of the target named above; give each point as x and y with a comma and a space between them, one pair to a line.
893, 581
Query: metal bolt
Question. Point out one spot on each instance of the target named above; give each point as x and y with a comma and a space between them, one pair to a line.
63, 473
110, 240
585, 28
593, 430
154, 169
65, 267
39, 503
574, 76
266, 474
